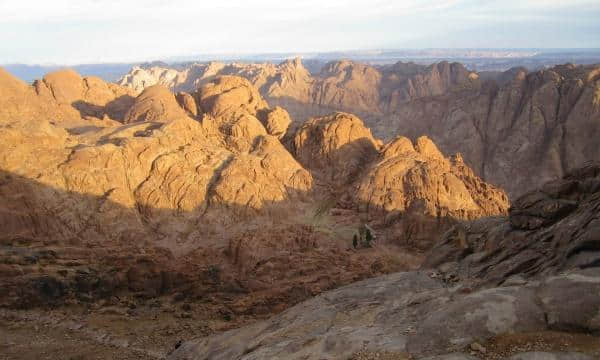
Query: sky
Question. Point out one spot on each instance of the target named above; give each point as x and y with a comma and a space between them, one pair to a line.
94, 31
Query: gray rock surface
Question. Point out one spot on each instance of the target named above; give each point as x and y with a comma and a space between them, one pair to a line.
538, 355
455, 356
535, 271
403, 312
549, 230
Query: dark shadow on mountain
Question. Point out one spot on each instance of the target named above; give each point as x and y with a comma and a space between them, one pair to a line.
60, 246
300, 112
115, 109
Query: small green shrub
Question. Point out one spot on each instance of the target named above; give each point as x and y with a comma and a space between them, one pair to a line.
368, 238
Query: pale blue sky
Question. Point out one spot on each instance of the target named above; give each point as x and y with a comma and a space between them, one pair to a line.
90, 31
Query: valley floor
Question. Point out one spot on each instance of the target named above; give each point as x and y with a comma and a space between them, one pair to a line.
143, 331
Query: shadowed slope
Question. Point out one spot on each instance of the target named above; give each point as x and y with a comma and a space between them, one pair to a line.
444, 312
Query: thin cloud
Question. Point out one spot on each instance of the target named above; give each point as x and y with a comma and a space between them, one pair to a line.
118, 30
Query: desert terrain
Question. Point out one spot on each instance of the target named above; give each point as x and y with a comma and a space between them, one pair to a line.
268, 211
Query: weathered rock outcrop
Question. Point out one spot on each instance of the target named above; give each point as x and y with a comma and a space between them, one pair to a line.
90, 95
415, 189
404, 175
552, 229
135, 172
338, 147
63, 96
420, 193
155, 103
227, 95
268, 174
276, 121
233, 104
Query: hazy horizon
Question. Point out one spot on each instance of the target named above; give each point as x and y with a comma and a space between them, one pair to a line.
306, 55
110, 31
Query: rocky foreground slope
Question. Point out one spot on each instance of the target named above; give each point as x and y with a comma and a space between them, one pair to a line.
531, 275
509, 124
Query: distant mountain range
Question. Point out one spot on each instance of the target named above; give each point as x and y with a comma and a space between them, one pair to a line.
473, 59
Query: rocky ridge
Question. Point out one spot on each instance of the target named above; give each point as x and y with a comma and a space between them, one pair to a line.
165, 178
507, 122
411, 192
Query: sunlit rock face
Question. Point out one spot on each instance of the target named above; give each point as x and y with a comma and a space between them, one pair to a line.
155, 103
413, 190
405, 174
157, 173
506, 125
337, 147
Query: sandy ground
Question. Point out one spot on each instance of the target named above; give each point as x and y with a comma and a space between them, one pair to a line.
151, 331
504, 346
148, 331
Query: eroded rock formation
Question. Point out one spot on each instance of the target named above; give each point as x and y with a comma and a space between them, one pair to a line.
412, 191
155, 103
337, 147
552, 229
506, 126
157, 185
405, 174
